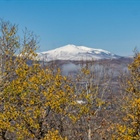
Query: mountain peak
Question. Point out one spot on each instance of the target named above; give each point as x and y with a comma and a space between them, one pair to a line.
73, 52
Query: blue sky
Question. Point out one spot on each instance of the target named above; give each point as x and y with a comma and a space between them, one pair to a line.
112, 25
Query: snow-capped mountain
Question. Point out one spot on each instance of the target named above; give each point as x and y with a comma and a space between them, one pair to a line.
72, 52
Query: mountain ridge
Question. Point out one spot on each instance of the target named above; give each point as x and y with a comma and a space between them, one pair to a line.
77, 53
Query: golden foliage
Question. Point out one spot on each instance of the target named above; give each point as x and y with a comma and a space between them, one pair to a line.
129, 128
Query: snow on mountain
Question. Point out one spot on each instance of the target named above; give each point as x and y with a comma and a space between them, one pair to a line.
72, 52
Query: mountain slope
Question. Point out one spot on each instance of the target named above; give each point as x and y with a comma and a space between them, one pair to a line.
72, 52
